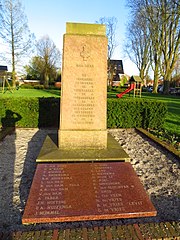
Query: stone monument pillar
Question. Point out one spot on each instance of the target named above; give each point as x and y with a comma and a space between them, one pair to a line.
83, 110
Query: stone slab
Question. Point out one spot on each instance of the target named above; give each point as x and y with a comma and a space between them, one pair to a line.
84, 83
85, 28
51, 153
86, 191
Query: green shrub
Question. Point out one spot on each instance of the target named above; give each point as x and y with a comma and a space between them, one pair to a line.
44, 112
38, 86
26, 108
109, 88
130, 113
123, 114
26, 86
33, 112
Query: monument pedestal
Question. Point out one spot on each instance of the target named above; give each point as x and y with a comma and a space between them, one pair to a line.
82, 139
50, 152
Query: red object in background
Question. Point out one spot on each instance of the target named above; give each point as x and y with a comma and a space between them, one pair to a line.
58, 85
126, 91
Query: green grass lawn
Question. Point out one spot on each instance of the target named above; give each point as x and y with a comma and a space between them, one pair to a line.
31, 93
172, 123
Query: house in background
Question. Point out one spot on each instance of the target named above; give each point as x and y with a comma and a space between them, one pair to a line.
3, 73
5, 77
115, 70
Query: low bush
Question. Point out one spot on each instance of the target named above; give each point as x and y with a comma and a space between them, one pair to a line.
26, 86
44, 112
30, 112
130, 113
123, 114
167, 137
38, 86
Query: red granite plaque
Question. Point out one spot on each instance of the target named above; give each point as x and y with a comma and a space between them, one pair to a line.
86, 191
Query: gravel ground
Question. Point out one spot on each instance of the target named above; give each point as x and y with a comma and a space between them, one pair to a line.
157, 169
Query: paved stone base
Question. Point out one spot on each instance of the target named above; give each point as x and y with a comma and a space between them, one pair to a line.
161, 231
51, 153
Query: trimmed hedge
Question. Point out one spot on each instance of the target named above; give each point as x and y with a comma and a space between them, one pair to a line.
130, 113
30, 112
44, 112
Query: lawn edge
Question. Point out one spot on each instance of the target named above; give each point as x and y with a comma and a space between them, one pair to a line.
161, 143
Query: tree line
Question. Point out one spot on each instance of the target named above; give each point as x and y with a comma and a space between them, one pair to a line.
21, 43
153, 38
152, 43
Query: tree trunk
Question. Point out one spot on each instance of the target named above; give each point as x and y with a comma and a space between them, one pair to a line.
46, 80
142, 74
13, 55
156, 78
166, 87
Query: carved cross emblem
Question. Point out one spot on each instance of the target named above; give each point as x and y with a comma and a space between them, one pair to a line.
85, 54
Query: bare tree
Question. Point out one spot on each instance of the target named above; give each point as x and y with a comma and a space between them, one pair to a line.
150, 41
137, 45
14, 31
176, 71
49, 58
152, 16
162, 17
171, 38
176, 2
111, 25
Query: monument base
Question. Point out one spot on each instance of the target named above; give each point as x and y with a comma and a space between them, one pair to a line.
51, 153
86, 191
82, 139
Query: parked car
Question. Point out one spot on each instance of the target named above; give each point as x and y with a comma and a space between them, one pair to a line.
150, 89
160, 89
174, 91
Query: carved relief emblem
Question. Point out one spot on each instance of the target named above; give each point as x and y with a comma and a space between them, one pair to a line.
85, 54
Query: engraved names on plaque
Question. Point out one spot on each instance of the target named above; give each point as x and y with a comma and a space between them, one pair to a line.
90, 191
